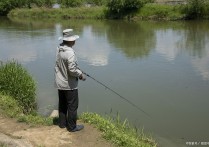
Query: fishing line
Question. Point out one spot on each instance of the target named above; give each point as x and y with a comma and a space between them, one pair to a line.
123, 98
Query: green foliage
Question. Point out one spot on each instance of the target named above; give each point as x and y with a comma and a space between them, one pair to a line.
43, 3
16, 82
120, 133
64, 13
3, 144
197, 9
35, 119
71, 3
122, 8
97, 2
7, 5
9, 106
160, 12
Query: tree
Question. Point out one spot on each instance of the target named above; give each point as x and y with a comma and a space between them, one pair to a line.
71, 3
121, 8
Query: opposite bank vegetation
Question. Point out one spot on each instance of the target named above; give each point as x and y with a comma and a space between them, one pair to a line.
18, 100
107, 9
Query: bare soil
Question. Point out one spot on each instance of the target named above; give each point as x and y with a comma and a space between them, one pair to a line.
13, 133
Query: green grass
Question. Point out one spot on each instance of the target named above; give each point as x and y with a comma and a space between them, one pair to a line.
65, 13
160, 12
18, 94
150, 11
10, 108
3, 145
120, 133
18, 83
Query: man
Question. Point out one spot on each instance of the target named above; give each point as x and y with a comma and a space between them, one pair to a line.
67, 74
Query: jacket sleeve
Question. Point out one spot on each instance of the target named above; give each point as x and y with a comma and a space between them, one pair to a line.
73, 67
56, 67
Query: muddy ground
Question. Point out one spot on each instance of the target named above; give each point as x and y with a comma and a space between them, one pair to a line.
17, 134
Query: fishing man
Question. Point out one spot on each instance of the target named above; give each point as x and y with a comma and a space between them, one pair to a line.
67, 74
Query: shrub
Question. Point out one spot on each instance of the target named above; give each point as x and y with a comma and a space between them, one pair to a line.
71, 3
97, 2
7, 5
16, 82
196, 9
122, 8
9, 106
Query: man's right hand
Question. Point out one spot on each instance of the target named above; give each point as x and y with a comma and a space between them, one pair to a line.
82, 77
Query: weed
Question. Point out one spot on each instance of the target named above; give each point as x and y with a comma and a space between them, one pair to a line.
120, 133
17, 82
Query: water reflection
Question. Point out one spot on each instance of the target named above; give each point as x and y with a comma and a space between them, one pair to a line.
168, 82
190, 38
167, 43
134, 39
99, 37
196, 43
95, 49
202, 64
196, 37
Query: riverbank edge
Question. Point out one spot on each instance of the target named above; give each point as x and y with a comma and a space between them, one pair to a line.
113, 130
150, 11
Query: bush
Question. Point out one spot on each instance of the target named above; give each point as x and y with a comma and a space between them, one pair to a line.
7, 5
16, 82
122, 8
196, 9
97, 2
9, 106
71, 3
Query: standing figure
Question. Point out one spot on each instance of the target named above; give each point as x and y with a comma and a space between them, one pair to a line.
67, 74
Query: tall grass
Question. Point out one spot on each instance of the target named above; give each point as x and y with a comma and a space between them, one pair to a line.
9, 106
160, 12
17, 82
64, 13
197, 9
120, 133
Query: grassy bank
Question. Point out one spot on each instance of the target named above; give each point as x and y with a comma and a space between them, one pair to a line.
120, 133
161, 12
65, 13
114, 130
148, 12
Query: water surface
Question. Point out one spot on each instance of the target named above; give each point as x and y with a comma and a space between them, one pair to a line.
162, 67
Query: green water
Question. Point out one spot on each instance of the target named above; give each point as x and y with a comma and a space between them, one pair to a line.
162, 67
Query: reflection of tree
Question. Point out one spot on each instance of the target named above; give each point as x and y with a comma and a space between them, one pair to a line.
196, 38
42, 24
134, 39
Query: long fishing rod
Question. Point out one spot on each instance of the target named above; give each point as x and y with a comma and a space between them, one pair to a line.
123, 98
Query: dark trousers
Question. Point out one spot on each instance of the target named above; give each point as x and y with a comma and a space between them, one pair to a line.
68, 105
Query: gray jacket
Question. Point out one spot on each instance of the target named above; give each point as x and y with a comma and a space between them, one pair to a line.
66, 69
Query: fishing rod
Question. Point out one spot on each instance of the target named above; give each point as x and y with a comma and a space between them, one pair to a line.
123, 98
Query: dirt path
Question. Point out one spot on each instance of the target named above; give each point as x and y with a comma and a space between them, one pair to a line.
22, 135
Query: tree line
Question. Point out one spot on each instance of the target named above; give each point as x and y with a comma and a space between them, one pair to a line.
115, 8
120, 7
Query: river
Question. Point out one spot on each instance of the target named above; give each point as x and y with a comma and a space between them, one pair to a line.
162, 67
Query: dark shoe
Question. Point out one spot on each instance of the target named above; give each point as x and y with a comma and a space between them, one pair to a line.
77, 128
62, 126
